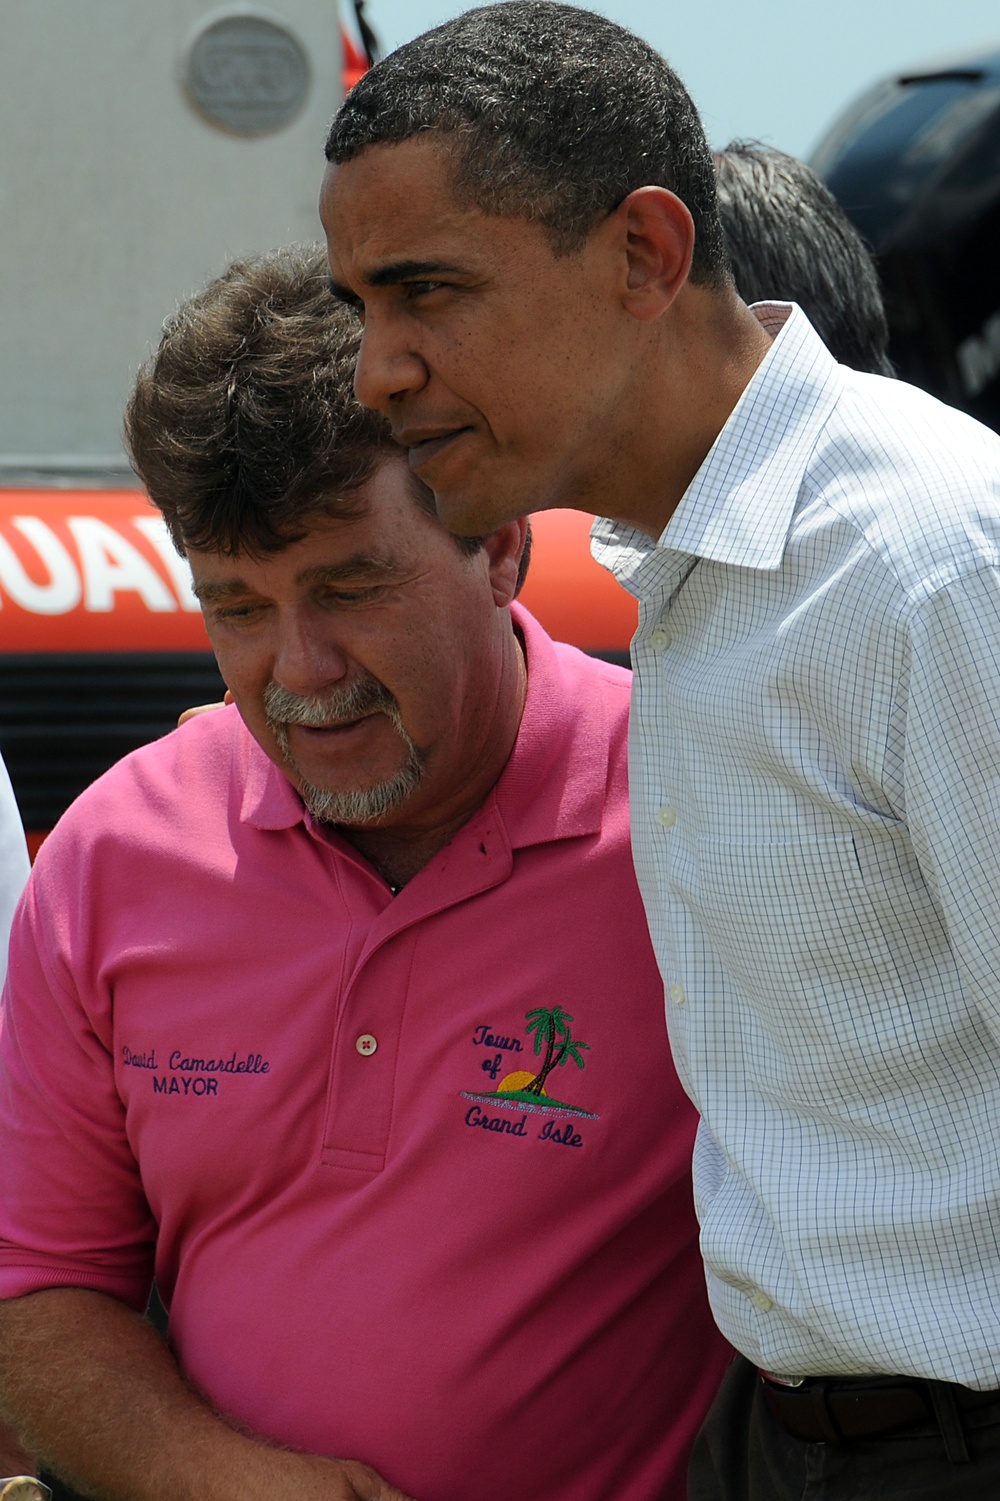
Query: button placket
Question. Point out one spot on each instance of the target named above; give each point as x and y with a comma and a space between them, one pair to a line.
363, 1074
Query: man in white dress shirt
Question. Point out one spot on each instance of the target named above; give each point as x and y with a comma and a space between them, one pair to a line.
522, 203
14, 863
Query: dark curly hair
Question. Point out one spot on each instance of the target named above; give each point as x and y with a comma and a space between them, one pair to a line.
244, 425
556, 114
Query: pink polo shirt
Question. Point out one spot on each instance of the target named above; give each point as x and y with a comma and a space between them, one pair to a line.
229, 1051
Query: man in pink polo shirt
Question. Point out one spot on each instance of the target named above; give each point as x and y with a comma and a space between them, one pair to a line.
336, 1009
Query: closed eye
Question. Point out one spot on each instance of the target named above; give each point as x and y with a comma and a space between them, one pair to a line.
367, 595
345, 296
237, 612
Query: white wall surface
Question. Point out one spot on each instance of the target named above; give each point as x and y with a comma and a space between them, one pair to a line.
117, 198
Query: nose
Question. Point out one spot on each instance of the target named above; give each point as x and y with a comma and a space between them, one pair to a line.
307, 657
388, 366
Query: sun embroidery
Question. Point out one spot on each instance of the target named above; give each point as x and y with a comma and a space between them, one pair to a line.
522, 1090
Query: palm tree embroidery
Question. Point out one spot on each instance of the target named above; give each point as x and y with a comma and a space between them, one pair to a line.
552, 1030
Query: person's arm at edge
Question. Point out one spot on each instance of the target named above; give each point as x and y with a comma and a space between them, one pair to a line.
96, 1394
14, 867
14, 862
951, 762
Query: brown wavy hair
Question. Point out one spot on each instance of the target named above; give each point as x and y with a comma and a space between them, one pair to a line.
244, 426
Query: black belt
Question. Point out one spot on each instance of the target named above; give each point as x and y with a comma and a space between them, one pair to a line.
832, 1409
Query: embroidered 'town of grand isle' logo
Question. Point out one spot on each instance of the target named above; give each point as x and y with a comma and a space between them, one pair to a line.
525, 1091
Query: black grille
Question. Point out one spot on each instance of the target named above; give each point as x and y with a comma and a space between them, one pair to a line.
66, 717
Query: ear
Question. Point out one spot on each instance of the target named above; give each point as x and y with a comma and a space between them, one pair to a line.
659, 236
503, 549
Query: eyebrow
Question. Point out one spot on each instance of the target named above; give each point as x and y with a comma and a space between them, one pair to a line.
210, 593
356, 569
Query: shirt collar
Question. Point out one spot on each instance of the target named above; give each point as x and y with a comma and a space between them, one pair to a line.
739, 507
553, 786
548, 790
269, 799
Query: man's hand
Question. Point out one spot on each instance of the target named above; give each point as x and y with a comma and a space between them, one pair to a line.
99, 1398
203, 709
336, 1480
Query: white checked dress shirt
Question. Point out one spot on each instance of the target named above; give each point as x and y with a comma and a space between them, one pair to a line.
815, 768
14, 863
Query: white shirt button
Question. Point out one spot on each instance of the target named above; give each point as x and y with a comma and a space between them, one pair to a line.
762, 1302
678, 994
666, 816
659, 639
366, 1044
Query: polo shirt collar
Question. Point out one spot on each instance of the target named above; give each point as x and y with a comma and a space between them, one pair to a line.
548, 790
553, 786
739, 507
269, 799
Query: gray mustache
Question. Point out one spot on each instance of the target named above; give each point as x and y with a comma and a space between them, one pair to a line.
337, 705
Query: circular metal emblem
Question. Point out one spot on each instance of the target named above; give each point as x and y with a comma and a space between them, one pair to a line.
247, 73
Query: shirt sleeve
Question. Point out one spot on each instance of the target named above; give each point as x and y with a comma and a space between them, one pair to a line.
72, 1208
951, 773
14, 864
